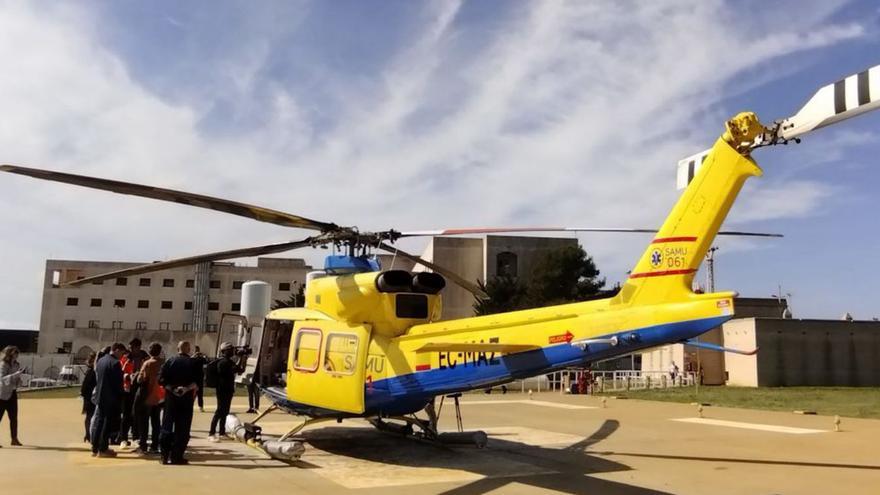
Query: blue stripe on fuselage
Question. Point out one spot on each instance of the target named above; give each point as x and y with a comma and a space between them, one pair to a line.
409, 393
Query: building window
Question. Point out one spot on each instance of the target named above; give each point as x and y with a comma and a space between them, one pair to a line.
96, 303
67, 346
187, 327
213, 306
69, 323
121, 281
98, 282
144, 282
166, 305
236, 306
143, 304
117, 325
190, 283
72, 301
167, 282
212, 327
236, 284
119, 303
140, 325
94, 324
505, 264
164, 325
284, 286
214, 284
187, 305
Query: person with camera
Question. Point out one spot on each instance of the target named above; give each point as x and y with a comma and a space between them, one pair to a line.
180, 375
202, 360
10, 379
222, 373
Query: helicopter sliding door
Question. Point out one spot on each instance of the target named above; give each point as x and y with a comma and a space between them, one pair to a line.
327, 365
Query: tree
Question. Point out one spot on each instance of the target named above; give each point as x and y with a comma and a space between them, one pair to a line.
506, 293
297, 298
562, 275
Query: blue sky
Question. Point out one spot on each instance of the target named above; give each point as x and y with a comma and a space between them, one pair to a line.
418, 115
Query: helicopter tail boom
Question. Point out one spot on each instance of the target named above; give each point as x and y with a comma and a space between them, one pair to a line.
666, 269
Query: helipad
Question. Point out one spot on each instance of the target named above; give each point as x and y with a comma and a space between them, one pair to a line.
574, 446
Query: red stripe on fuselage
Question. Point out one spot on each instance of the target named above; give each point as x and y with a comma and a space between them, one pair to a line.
423, 367
662, 273
673, 239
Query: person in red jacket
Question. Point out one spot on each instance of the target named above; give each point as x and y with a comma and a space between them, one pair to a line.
128, 371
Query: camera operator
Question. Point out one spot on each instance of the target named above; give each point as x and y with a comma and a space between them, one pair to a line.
226, 369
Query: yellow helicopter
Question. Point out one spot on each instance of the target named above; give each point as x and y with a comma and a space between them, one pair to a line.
371, 344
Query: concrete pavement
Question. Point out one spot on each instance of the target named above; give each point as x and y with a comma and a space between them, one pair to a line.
552, 443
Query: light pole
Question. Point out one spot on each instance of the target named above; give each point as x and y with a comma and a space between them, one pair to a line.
710, 269
779, 297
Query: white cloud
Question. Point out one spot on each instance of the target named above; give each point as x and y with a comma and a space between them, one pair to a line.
568, 114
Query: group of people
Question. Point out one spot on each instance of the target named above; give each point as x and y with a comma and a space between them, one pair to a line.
126, 390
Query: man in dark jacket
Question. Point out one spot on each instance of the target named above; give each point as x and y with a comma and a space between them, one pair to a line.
180, 376
201, 360
85, 391
226, 371
108, 399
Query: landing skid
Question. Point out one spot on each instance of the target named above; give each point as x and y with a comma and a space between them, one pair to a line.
426, 429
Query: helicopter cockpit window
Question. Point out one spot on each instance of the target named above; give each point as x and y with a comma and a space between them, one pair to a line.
340, 353
307, 349
412, 306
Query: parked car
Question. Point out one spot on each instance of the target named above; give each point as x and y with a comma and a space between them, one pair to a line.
42, 383
72, 373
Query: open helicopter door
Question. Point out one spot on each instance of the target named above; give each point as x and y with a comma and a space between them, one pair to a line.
326, 367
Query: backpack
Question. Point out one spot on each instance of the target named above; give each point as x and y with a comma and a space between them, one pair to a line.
211, 373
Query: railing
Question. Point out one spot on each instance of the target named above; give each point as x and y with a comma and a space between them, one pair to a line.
567, 381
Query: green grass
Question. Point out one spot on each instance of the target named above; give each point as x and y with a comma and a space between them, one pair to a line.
52, 393
843, 401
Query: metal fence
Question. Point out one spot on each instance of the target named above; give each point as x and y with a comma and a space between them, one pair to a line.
603, 381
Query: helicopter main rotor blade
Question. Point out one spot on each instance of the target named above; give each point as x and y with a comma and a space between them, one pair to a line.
835, 102
457, 279
181, 197
847, 98
494, 230
192, 260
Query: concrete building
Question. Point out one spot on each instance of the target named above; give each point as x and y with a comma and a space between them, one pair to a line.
483, 258
803, 353
165, 306
25, 340
712, 363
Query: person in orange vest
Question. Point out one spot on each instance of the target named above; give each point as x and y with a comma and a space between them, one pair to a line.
148, 402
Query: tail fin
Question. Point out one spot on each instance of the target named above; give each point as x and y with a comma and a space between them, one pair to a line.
666, 270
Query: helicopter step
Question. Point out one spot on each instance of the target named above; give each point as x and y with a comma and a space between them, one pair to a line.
476, 438
427, 429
